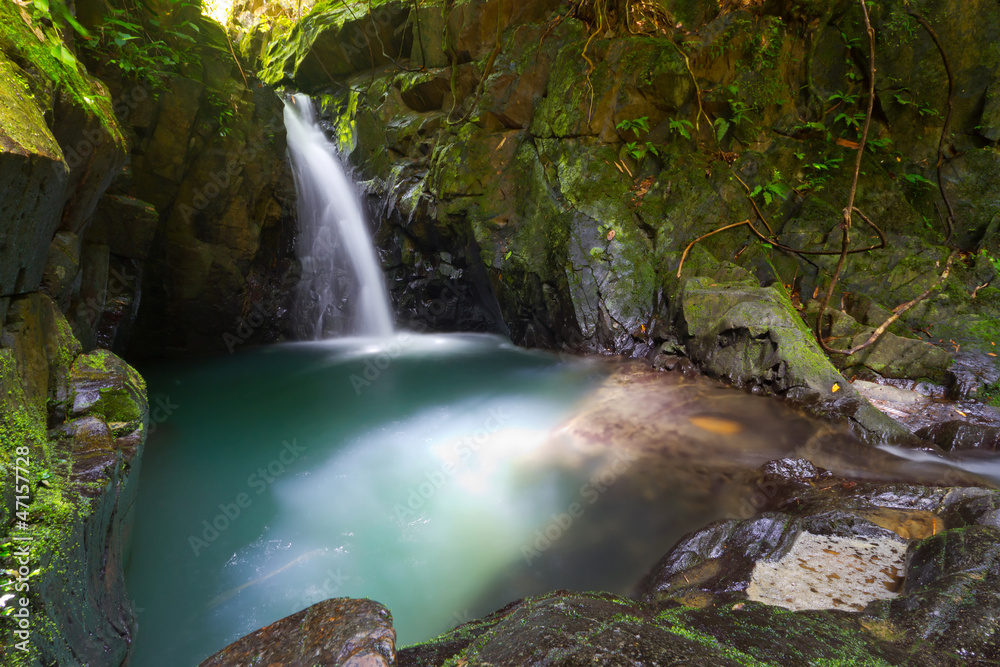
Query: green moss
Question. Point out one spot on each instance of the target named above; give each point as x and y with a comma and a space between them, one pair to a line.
59, 68
53, 506
22, 126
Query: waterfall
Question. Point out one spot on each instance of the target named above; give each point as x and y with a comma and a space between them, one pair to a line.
342, 291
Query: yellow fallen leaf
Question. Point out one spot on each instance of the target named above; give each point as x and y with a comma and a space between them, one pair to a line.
835, 388
716, 425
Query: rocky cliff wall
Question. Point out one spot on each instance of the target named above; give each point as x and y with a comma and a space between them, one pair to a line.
148, 212
560, 159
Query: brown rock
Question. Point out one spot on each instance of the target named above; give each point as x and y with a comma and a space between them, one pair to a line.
341, 631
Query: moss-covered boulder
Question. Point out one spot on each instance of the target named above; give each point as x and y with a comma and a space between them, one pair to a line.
102, 384
753, 337
890, 356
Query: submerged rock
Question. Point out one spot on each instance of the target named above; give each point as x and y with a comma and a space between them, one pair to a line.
338, 633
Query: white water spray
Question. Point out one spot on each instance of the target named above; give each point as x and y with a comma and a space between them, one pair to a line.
342, 289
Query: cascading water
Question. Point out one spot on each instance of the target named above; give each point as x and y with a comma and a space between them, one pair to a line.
342, 291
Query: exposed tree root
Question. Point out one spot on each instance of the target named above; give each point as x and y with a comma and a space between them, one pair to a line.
705, 236
846, 224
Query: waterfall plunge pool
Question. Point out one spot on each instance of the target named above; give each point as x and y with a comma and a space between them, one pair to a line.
407, 470
443, 476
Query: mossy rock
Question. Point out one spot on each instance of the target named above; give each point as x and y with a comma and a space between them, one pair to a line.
891, 356
333, 41
749, 334
33, 174
586, 628
104, 385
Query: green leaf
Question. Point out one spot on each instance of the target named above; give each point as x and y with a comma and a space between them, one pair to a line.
721, 127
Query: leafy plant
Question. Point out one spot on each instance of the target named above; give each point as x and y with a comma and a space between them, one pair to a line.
815, 126
126, 41
818, 172
904, 98
917, 179
682, 127
635, 125
46, 19
639, 150
991, 259
884, 143
849, 100
636, 149
775, 189
851, 120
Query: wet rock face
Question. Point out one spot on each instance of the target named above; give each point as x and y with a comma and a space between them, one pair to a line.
107, 412
220, 267
946, 598
340, 633
962, 435
33, 178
